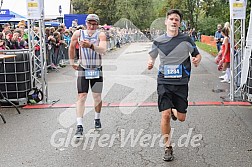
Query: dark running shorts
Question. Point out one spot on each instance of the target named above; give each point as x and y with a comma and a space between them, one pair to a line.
172, 96
83, 83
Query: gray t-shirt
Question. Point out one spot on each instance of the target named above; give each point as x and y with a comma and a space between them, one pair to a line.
174, 51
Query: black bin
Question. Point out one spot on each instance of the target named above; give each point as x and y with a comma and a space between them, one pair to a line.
15, 77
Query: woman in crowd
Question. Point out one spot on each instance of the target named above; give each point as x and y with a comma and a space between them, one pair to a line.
225, 51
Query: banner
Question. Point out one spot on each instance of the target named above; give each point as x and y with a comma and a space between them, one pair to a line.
4, 12
238, 9
35, 9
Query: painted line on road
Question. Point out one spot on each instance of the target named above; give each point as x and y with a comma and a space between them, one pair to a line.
142, 104
207, 103
230, 103
122, 104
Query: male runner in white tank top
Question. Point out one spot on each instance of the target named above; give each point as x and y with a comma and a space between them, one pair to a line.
92, 47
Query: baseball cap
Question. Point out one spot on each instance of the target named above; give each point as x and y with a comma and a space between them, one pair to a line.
92, 17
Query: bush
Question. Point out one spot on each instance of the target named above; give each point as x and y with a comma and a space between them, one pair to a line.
208, 26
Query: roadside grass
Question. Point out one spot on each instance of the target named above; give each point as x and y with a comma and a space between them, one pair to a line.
209, 49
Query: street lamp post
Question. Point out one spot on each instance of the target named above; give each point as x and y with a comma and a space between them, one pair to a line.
60, 10
1, 4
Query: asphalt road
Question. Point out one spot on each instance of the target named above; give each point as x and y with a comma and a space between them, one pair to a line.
211, 136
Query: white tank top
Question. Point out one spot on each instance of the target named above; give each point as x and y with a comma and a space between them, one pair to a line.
89, 59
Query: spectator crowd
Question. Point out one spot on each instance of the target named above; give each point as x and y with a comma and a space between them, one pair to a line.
57, 40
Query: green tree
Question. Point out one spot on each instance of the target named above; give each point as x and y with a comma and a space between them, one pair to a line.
104, 8
216, 8
207, 25
189, 8
248, 14
140, 12
80, 6
201, 14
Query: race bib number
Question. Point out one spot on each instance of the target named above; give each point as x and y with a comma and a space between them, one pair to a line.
92, 74
172, 71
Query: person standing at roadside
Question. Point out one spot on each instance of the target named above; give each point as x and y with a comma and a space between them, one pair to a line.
226, 55
218, 37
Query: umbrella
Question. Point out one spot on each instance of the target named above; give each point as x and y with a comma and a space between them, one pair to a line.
106, 27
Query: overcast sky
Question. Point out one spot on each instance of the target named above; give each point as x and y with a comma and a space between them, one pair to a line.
51, 7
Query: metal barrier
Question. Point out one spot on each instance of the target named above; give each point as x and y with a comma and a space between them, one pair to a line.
113, 40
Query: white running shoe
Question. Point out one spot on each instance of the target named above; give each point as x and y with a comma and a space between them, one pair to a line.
225, 81
222, 77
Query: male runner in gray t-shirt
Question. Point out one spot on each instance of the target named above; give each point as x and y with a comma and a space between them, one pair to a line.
174, 50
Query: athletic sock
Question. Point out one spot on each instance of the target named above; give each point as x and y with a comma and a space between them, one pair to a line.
97, 115
79, 121
228, 73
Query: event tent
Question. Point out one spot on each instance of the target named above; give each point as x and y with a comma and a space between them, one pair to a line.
8, 16
52, 24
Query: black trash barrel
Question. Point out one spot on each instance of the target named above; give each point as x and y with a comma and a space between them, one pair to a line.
15, 77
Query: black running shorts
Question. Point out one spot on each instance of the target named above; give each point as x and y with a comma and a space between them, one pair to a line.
172, 96
83, 83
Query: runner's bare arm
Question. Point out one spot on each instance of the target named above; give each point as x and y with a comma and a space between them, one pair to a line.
196, 60
102, 48
150, 63
73, 43
71, 53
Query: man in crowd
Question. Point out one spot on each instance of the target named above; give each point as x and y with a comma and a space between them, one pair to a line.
218, 37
